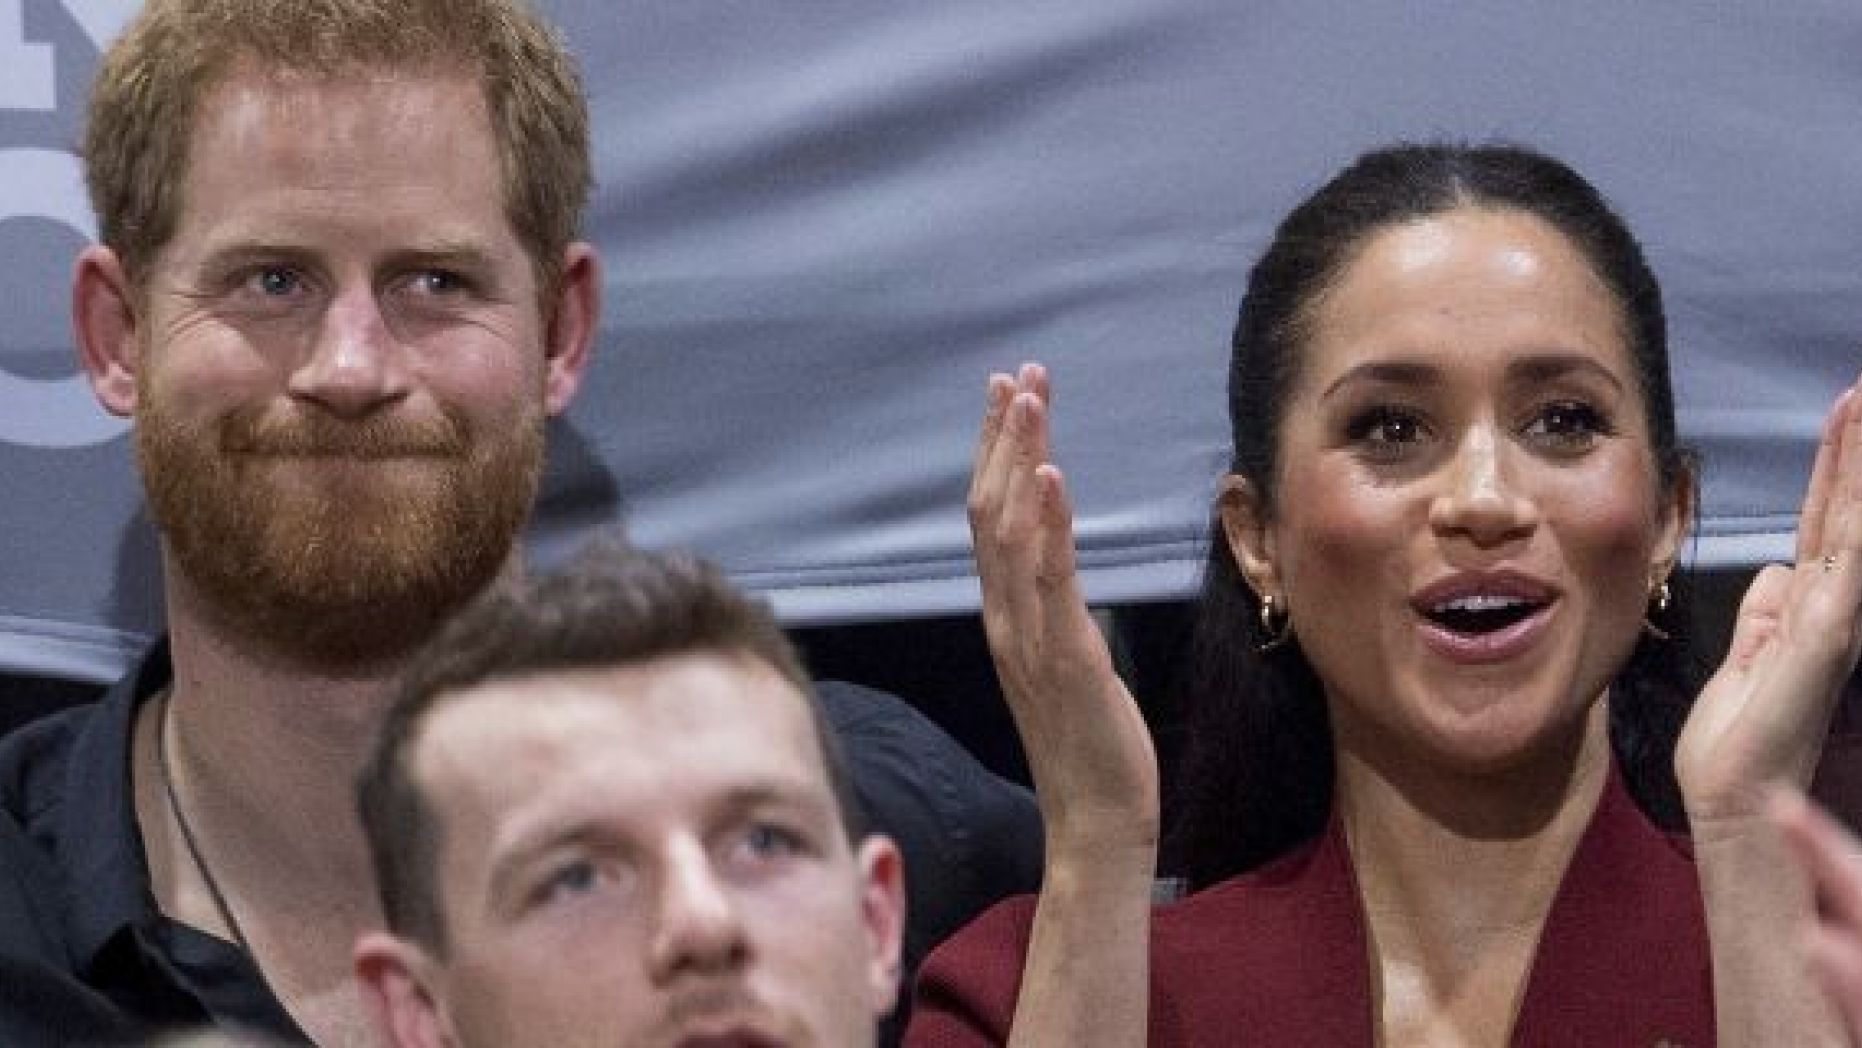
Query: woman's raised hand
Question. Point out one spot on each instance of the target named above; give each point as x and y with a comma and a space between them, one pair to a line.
1094, 769
1085, 978
1761, 720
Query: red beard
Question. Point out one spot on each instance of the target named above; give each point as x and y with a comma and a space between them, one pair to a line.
337, 544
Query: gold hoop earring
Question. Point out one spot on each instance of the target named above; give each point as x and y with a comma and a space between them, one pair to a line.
1660, 598
1276, 626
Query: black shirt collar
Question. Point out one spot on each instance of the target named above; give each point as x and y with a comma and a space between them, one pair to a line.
119, 940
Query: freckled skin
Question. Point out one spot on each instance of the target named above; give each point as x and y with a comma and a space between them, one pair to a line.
1481, 472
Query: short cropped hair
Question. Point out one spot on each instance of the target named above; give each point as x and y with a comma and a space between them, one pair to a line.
612, 606
145, 103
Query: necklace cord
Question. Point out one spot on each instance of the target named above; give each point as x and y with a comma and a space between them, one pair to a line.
187, 833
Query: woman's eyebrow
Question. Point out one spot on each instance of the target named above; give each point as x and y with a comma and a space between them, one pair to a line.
1396, 372
1544, 367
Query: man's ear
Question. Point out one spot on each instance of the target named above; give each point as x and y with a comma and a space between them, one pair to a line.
396, 979
103, 317
1244, 528
882, 873
570, 339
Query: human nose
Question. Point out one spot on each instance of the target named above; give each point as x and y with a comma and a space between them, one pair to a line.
1479, 499
700, 930
354, 366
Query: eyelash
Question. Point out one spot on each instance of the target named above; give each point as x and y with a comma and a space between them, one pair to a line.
1385, 432
455, 283
253, 281
558, 882
1582, 425
759, 842
1371, 425
781, 838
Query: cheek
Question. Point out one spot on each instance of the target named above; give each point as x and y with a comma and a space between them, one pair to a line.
812, 939
516, 993
212, 368
487, 1002
1607, 534
1334, 534
489, 379
801, 906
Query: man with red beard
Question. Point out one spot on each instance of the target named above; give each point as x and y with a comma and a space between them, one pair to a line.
339, 290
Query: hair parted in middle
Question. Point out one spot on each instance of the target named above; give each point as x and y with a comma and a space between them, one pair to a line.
1259, 767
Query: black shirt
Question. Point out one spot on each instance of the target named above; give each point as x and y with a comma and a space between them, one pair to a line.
87, 957
65, 781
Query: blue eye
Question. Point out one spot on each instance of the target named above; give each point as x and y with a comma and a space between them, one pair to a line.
769, 840
573, 878
438, 282
276, 281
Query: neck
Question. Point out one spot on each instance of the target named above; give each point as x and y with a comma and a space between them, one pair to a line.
263, 763
1456, 873
261, 751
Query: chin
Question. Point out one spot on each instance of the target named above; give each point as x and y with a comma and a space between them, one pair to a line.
1501, 742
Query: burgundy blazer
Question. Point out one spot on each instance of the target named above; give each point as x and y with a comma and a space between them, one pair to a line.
1278, 957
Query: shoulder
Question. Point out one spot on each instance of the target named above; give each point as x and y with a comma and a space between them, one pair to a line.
83, 749
65, 812
919, 784
35, 760
30, 898
36, 764
881, 723
969, 837
40, 1003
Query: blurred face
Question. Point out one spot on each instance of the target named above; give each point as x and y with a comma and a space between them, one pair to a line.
1469, 521
341, 368
649, 856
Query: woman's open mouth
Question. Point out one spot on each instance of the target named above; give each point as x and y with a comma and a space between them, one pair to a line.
1483, 618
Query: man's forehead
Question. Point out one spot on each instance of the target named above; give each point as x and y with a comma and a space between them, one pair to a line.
690, 701
684, 742
283, 160
248, 106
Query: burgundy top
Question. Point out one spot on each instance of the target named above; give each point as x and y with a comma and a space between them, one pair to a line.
1278, 957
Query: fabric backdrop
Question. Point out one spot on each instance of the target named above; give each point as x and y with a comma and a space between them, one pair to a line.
825, 221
